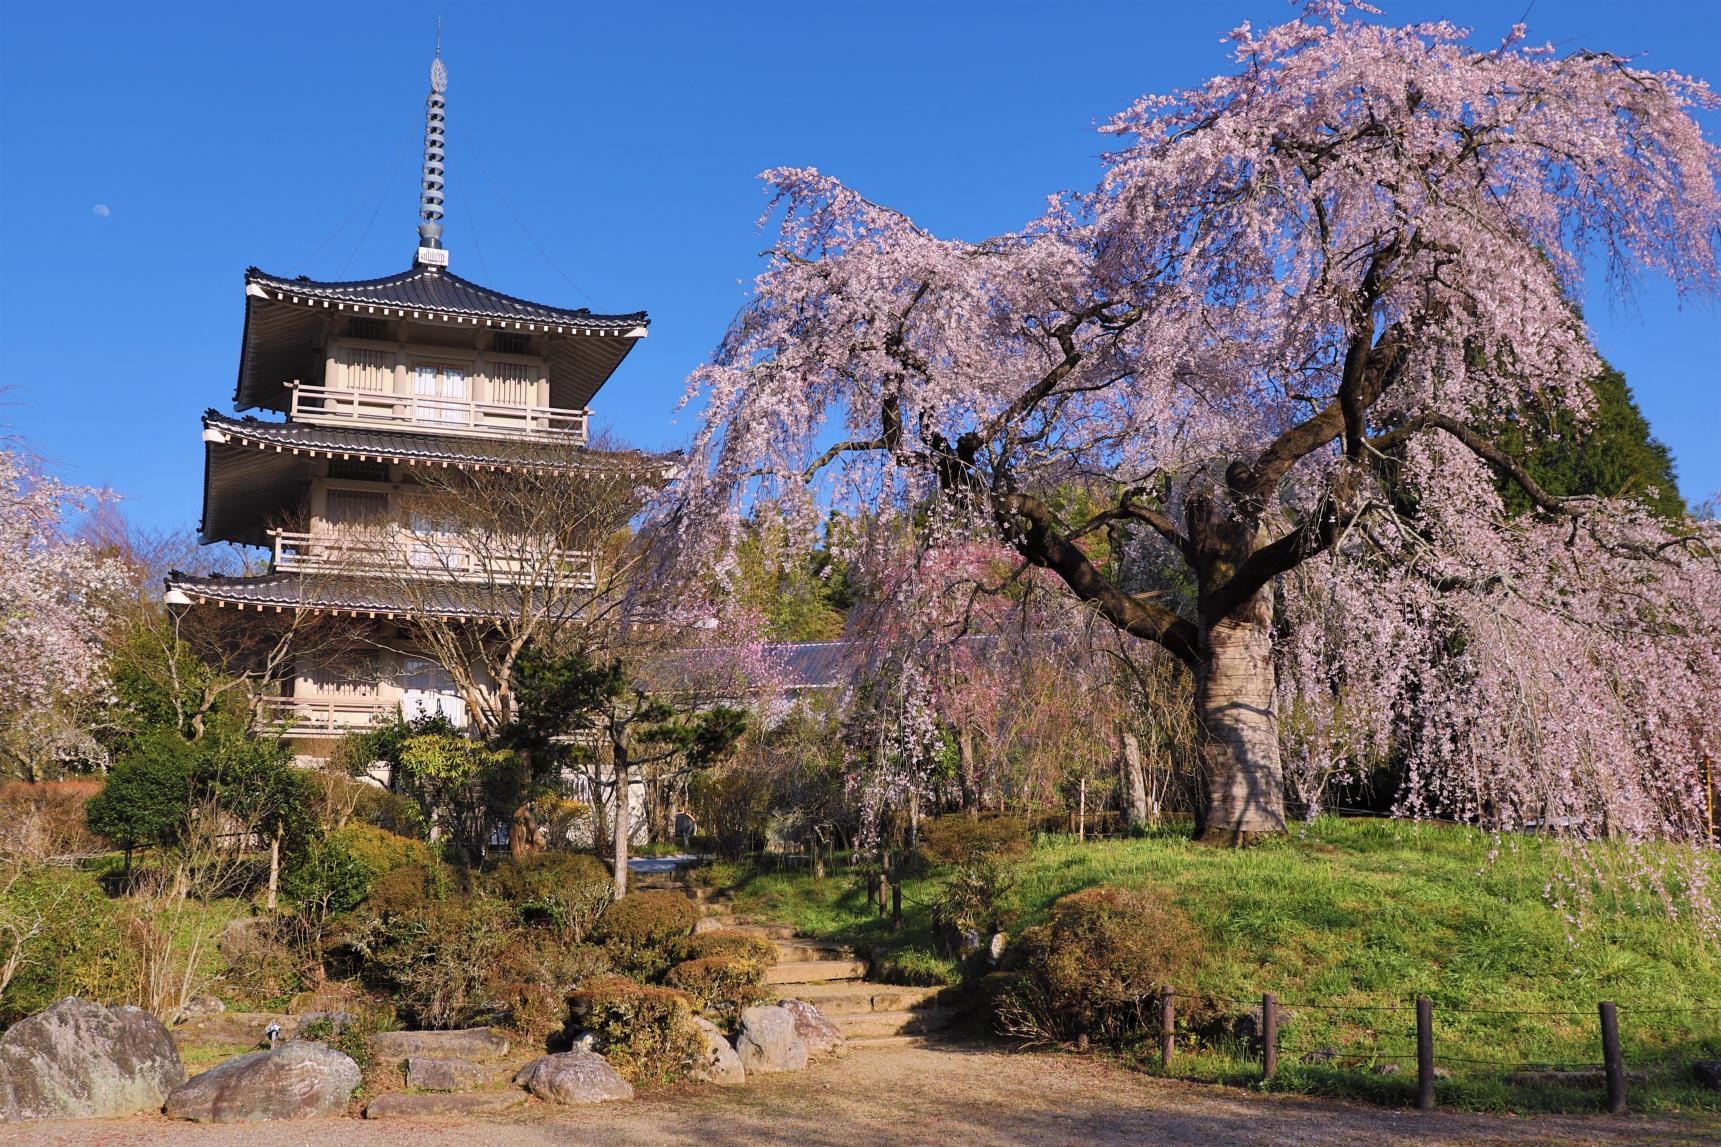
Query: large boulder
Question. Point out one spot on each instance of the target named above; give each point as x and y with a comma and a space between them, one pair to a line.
461, 1043
79, 1059
769, 1042
720, 1064
821, 1036
573, 1077
298, 1080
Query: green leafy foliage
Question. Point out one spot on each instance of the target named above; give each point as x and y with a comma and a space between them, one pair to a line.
646, 1032
723, 986
1612, 455
977, 857
146, 798
643, 930
1096, 970
564, 891
728, 942
437, 958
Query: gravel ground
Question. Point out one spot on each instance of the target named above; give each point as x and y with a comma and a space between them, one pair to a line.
904, 1095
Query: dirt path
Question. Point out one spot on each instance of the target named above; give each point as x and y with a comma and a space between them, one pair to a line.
907, 1095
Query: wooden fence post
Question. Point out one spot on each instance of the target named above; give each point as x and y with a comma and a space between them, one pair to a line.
1269, 1035
1167, 1026
895, 907
1611, 1058
1424, 1053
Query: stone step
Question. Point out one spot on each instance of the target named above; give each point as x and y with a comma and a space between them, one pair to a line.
887, 1041
801, 951
769, 931
404, 1105
815, 971
849, 998
870, 1025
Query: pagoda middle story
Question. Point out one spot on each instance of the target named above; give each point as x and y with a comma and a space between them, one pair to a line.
379, 397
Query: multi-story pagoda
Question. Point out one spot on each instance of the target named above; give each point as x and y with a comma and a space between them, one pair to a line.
382, 384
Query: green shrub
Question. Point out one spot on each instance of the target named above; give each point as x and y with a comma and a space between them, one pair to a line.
641, 931
979, 857
728, 942
377, 851
438, 957
533, 975
567, 891
72, 940
409, 888
724, 986
1096, 969
646, 1033
388, 810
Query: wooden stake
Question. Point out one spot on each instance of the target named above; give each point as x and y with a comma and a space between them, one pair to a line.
1167, 1027
1424, 1053
1611, 1058
1269, 1035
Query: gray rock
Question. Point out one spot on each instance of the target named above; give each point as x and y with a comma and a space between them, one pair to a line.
297, 1080
1708, 1073
995, 948
234, 1029
465, 1043
573, 1077
1385, 1069
325, 1023
768, 1041
199, 1007
400, 1105
720, 1064
822, 1037
431, 1073
78, 1059
707, 924
588, 1041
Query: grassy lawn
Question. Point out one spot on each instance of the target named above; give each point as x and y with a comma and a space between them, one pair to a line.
1357, 915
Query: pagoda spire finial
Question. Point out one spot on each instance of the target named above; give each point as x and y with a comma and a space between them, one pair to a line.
430, 249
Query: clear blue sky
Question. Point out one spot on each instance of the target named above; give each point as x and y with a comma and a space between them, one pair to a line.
627, 137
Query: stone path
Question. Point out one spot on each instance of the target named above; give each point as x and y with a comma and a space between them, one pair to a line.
828, 976
894, 1095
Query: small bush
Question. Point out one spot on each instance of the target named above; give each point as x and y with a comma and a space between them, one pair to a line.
533, 976
979, 855
728, 942
1097, 968
566, 891
724, 986
439, 957
69, 938
641, 931
646, 1033
377, 851
410, 888
263, 971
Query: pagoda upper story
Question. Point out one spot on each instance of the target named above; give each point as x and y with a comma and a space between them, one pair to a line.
425, 351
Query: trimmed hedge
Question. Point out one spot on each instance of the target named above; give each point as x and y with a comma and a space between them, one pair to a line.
646, 1033
729, 942
567, 891
724, 986
642, 931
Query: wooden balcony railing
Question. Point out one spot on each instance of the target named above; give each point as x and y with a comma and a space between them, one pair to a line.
433, 414
436, 557
337, 716
320, 716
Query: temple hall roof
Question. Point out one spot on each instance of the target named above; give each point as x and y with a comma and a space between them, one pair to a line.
357, 596
438, 290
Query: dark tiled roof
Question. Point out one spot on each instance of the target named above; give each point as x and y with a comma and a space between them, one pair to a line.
403, 447
345, 594
435, 289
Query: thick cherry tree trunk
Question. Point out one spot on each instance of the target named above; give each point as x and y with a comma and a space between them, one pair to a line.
1234, 699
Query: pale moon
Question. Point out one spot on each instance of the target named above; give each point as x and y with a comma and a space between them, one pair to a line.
100, 211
